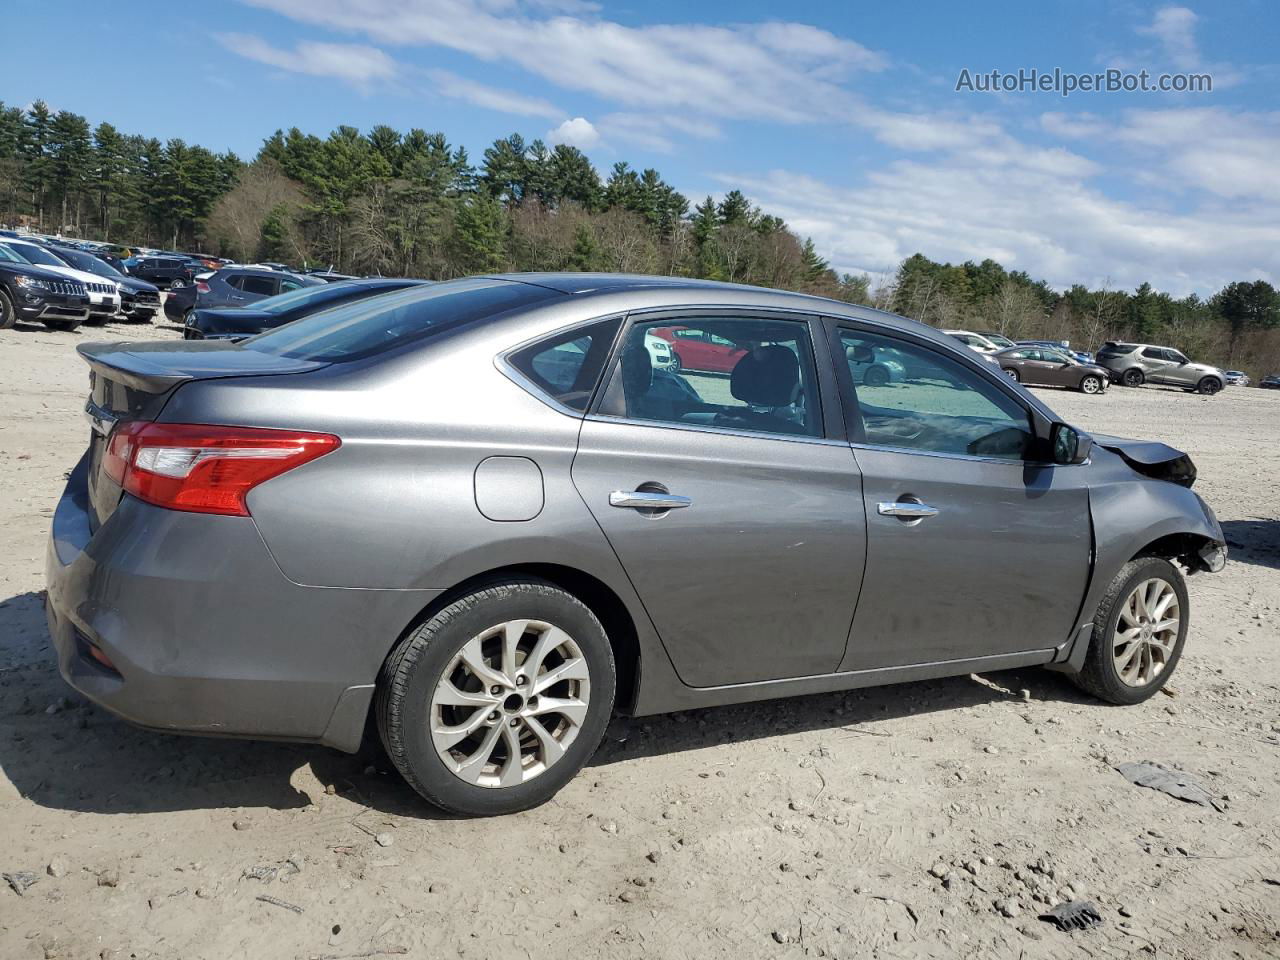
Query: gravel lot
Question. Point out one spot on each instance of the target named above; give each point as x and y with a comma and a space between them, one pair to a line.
925, 820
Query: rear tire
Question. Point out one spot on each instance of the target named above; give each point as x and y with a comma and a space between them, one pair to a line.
1012, 374
1127, 663
1091, 384
8, 316
454, 671
1209, 386
1133, 378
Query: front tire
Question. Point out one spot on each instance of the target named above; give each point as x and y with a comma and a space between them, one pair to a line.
1012, 374
499, 699
1133, 378
1138, 633
1091, 384
8, 316
1209, 386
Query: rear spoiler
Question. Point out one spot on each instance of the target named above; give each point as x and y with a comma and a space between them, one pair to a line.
125, 363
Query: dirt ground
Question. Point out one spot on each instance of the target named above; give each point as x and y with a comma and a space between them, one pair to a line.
902, 822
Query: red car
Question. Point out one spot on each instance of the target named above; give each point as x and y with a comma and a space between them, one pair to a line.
699, 350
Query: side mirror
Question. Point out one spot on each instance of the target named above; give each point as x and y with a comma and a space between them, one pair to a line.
1070, 446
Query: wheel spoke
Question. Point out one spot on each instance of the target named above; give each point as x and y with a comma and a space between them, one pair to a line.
473, 656
512, 771
575, 669
472, 768
448, 695
447, 735
1166, 599
552, 638
571, 708
512, 634
551, 748
1165, 625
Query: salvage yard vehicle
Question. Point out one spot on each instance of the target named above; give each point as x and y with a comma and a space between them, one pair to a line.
1270, 382
241, 322
32, 293
1134, 364
1237, 378
139, 300
104, 295
1050, 367
167, 273
981, 342
475, 513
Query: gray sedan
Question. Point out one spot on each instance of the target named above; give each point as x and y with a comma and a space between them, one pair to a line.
476, 513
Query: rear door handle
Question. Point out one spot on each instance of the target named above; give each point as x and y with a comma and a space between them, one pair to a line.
906, 508
644, 500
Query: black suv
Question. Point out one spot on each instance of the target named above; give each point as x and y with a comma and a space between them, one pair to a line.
29, 292
165, 272
139, 300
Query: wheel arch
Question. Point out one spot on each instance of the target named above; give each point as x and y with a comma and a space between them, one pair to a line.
1183, 547
599, 598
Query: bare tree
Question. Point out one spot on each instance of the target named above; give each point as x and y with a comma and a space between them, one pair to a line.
236, 220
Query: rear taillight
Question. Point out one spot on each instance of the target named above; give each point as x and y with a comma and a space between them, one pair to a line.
201, 287
202, 468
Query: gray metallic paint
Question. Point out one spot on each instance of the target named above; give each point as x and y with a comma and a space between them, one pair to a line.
276, 625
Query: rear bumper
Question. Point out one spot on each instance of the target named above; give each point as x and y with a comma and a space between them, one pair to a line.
206, 634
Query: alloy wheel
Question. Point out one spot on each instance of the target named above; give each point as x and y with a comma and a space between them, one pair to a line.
1146, 632
1091, 385
510, 703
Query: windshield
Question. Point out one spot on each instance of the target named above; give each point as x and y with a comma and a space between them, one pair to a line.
365, 327
87, 261
296, 298
33, 254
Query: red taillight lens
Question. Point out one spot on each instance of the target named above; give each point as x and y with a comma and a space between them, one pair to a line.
201, 287
202, 468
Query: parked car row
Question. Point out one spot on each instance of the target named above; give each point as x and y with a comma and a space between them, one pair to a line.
1053, 364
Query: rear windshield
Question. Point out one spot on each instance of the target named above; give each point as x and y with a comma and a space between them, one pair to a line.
360, 329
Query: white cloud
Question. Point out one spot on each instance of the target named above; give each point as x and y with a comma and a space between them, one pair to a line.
578, 132
491, 98
1077, 126
1175, 28
355, 63
654, 131
777, 71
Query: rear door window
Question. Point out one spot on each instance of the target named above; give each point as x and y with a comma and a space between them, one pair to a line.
262, 286
567, 366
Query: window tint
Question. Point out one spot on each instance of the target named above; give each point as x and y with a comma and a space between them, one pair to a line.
1028, 354
234, 280
733, 373
1153, 353
366, 327
287, 285
938, 405
262, 286
567, 366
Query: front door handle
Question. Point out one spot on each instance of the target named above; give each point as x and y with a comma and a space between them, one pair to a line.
906, 508
646, 500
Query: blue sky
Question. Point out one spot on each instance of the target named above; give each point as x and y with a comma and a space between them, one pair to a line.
841, 117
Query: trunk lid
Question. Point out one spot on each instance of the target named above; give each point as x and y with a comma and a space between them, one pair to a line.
133, 381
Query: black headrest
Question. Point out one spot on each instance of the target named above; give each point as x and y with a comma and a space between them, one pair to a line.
637, 369
766, 377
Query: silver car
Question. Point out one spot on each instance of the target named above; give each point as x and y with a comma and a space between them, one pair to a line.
475, 513
1134, 364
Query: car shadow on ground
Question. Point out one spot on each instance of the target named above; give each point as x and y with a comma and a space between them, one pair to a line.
63, 752
1254, 541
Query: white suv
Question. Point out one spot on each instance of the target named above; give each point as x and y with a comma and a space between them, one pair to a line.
986, 343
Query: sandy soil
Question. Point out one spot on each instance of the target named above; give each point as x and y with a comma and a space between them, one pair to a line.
899, 822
